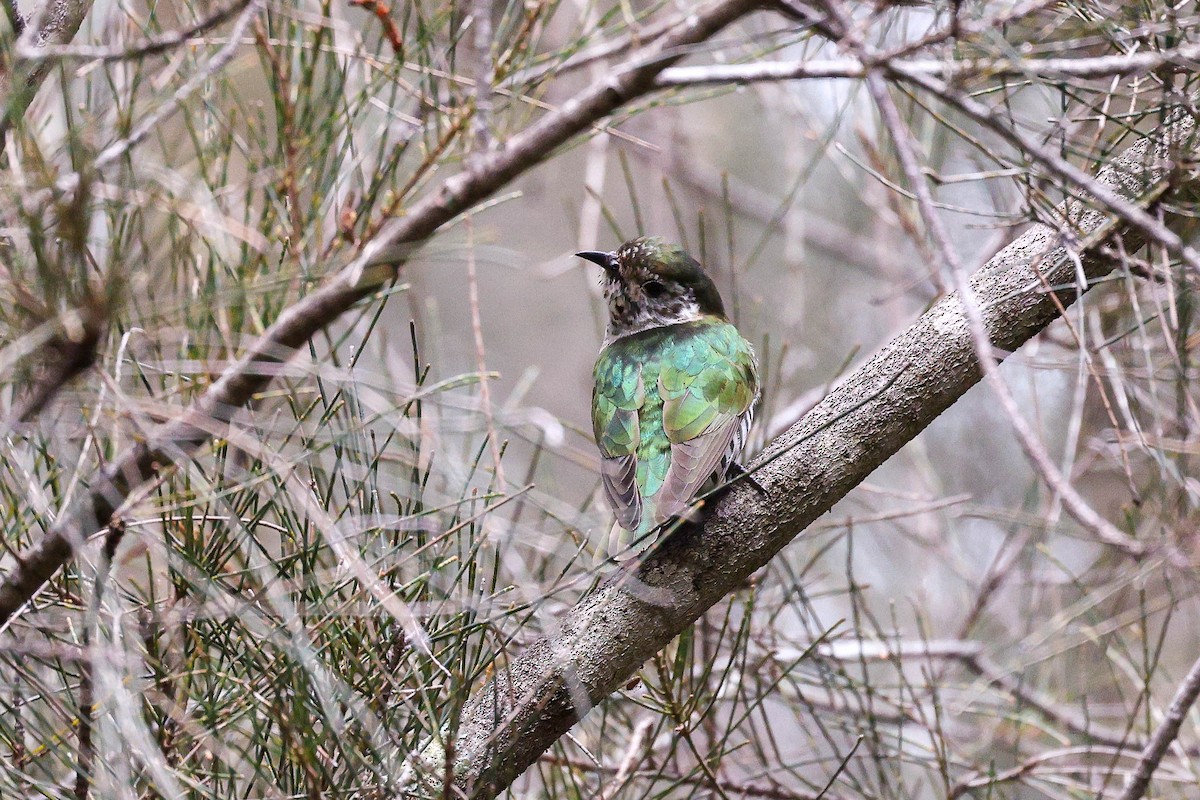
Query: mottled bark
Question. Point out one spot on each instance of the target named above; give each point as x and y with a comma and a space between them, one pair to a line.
56, 24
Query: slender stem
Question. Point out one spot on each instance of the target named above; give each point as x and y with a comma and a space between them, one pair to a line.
1179, 60
1164, 736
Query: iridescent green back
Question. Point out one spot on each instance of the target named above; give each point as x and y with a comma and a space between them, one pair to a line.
670, 408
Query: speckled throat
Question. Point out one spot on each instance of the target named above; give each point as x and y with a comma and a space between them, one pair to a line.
630, 311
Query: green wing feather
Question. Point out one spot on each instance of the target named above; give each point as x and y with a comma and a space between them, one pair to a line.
617, 397
708, 393
658, 447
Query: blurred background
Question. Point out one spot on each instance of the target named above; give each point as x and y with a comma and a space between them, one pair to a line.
947, 630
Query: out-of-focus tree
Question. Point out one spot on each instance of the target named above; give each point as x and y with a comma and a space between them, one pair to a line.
299, 493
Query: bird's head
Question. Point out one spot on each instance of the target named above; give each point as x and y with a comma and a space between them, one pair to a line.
649, 283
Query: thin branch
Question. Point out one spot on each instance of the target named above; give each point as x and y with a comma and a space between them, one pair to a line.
485, 380
825, 235
612, 776
390, 30
481, 51
1164, 736
54, 24
970, 654
1184, 59
68, 183
634, 753
991, 778
593, 54
139, 49
1079, 509
1108, 197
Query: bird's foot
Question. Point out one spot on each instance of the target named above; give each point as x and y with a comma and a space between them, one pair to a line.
738, 472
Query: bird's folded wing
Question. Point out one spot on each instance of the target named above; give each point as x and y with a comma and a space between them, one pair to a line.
692, 463
619, 476
706, 402
615, 405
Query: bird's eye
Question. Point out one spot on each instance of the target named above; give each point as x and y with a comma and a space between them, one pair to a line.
654, 289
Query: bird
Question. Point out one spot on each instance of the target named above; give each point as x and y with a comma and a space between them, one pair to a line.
675, 387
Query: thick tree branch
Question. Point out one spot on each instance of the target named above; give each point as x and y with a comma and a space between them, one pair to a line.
139, 49
295, 325
546, 688
55, 24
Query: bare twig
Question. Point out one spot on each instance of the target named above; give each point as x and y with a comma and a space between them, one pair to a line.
634, 753
383, 13
1086, 186
1079, 509
827, 236
485, 388
595, 53
481, 49
731, 788
139, 49
970, 654
1181, 60
68, 183
1164, 735
993, 778
56, 23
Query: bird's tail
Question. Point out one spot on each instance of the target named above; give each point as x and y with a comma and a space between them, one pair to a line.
626, 545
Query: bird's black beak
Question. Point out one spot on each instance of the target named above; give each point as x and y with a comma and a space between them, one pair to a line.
606, 260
